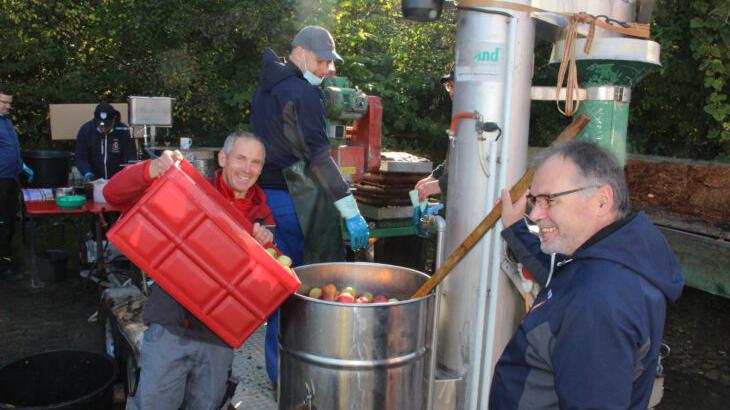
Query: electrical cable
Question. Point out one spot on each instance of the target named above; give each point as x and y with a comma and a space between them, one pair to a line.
486, 127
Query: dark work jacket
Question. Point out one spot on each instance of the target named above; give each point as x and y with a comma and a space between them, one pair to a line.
11, 164
102, 155
591, 339
123, 191
288, 114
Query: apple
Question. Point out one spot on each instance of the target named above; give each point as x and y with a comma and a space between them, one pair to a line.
345, 298
327, 296
367, 295
380, 299
349, 290
284, 260
330, 290
272, 252
362, 299
315, 293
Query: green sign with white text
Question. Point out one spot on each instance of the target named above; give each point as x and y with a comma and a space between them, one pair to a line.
488, 55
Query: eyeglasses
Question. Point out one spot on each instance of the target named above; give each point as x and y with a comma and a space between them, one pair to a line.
545, 200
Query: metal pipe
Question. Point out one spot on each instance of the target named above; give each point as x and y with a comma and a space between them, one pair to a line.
481, 71
440, 234
495, 240
487, 286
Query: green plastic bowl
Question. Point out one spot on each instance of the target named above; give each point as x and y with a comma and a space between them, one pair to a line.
70, 201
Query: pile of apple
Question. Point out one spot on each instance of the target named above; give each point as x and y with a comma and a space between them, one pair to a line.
348, 294
283, 260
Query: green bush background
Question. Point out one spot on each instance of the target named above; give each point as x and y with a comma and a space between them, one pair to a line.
206, 55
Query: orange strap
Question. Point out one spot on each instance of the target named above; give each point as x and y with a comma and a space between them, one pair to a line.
568, 66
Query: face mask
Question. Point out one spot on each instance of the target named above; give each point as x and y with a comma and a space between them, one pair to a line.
309, 76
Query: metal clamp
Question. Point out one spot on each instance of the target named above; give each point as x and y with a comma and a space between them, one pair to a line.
664, 352
308, 403
609, 93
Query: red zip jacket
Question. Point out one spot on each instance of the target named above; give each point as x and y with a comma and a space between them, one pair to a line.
125, 190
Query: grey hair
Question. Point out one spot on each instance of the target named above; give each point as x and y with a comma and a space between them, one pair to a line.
235, 135
595, 165
4, 89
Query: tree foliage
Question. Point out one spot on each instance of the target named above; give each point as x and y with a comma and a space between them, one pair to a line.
206, 54
401, 62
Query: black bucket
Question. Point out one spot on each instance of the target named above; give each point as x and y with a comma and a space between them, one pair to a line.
50, 168
422, 10
53, 265
62, 379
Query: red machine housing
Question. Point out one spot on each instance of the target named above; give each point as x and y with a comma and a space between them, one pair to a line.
362, 152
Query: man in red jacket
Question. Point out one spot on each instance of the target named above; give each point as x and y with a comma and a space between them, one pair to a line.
185, 364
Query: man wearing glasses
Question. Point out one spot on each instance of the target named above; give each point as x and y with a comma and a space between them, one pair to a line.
592, 336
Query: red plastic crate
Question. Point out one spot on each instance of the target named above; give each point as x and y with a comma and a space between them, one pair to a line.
191, 241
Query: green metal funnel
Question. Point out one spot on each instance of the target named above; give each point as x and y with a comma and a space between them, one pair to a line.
607, 73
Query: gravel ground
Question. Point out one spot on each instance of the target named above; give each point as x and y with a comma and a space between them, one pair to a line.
698, 367
56, 316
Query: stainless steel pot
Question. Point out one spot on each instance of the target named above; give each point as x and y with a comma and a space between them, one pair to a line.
206, 167
365, 356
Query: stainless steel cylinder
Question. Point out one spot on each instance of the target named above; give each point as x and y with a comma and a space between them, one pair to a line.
356, 357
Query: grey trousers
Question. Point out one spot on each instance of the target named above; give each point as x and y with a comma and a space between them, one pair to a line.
179, 372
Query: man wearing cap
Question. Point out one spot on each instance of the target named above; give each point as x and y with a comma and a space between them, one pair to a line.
304, 187
103, 145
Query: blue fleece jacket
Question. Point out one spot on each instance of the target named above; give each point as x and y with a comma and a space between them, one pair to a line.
592, 337
288, 114
11, 163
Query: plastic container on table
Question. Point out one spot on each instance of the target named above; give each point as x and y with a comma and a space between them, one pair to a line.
197, 247
70, 201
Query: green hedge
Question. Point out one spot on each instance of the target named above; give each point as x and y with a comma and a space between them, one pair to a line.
206, 55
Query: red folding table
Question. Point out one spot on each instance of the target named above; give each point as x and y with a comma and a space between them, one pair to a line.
35, 210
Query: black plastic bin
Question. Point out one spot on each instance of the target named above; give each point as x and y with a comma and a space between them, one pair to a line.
422, 10
50, 168
53, 265
61, 379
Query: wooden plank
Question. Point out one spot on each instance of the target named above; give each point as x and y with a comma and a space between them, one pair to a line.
706, 261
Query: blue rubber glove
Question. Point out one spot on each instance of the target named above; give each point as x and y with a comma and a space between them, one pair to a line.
358, 229
433, 209
28, 172
88, 177
418, 214
354, 222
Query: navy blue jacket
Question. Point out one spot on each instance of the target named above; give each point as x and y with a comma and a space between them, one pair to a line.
288, 114
11, 164
102, 155
592, 337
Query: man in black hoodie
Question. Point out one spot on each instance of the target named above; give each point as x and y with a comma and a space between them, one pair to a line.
304, 188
